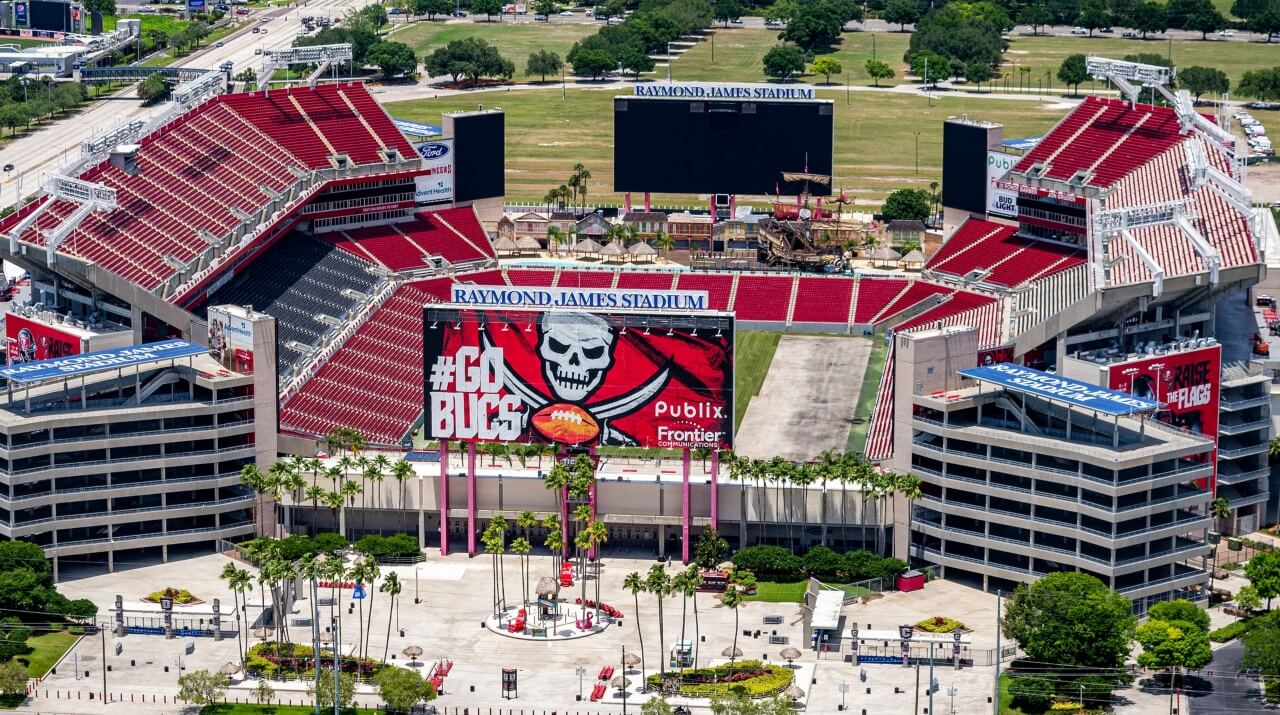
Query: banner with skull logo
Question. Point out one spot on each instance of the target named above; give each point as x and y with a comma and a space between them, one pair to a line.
577, 378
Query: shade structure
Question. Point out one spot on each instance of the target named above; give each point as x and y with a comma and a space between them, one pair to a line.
731, 652
547, 587
914, 256
412, 652
528, 243
621, 682
229, 669
613, 249
884, 253
504, 245
790, 654
631, 660
794, 692
586, 245
642, 249
262, 632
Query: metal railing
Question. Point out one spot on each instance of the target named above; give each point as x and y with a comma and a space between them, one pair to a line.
149, 484
95, 438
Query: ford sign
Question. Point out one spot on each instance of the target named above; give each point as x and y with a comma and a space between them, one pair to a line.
433, 150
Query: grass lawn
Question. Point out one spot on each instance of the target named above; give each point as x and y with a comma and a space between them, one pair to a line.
752, 356
772, 592
47, 648
738, 52
251, 709
867, 397
514, 41
1047, 53
875, 138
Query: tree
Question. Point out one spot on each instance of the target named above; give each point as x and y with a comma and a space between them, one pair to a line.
593, 63
322, 689
659, 584
1070, 619
929, 65
1149, 17
431, 8
391, 586
546, 8
470, 57
1093, 15
401, 689
634, 61
1180, 610
655, 706
1247, 598
201, 687
13, 115
902, 13
783, 61
732, 599
263, 692
1262, 645
1198, 80
1266, 22
1072, 71
726, 10
827, 66
818, 24
153, 89
967, 32
19, 554
710, 549
1173, 644
906, 204
637, 585
1261, 84
13, 678
1035, 15
781, 11
1205, 19
1246, 9
13, 638
543, 63
977, 73
392, 58
488, 7
1263, 572
878, 70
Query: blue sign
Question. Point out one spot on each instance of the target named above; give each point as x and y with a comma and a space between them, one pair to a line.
195, 6
417, 129
1022, 143
20, 13
894, 659
432, 150
358, 593
1055, 387
100, 360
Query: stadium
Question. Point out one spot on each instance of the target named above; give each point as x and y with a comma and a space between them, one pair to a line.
295, 235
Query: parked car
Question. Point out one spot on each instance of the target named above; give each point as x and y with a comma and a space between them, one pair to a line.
1264, 105
566, 13
1226, 33
1079, 31
1130, 35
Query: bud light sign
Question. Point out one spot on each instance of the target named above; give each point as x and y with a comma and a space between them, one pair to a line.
436, 185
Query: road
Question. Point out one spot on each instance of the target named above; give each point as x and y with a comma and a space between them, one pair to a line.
54, 144
1222, 693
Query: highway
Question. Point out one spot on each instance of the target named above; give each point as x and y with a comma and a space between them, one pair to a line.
54, 144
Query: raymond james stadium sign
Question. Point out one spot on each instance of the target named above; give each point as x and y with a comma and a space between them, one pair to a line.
692, 90
635, 299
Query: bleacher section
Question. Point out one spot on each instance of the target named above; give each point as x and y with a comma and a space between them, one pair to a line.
453, 234
585, 279
764, 297
295, 281
717, 285
822, 300
374, 382
225, 154
1106, 138
663, 280
873, 295
530, 277
1002, 258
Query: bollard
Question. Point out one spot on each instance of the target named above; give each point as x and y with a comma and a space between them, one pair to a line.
108, 669
132, 663
868, 691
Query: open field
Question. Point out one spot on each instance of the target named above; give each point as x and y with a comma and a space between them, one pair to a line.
738, 52
773, 592
876, 136
752, 356
514, 41
46, 648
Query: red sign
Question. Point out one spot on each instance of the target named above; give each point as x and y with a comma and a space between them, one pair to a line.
576, 378
1185, 383
30, 341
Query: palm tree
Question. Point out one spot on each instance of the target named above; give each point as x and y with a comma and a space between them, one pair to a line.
374, 573
554, 542
252, 477
582, 543
663, 241
314, 495
910, 489
391, 587
335, 502
596, 534
499, 526
695, 582
276, 484
402, 471
659, 584
557, 479
521, 547
333, 569
732, 599
349, 490
359, 572
1220, 510
682, 583
492, 544
636, 585
239, 581
526, 520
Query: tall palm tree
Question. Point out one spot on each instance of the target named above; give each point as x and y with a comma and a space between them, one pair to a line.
597, 534
1220, 510
350, 490
359, 573
251, 476
499, 526
682, 583
663, 241
335, 501
238, 580
582, 543
526, 520
910, 489
373, 572
659, 584
314, 495
521, 547
732, 600
334, 570
315, 466
557, 480
637, 585
390, 586
554, 541
695, 582
492, 543
402, 471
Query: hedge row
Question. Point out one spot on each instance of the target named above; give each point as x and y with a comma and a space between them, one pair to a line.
762, 680
774, 563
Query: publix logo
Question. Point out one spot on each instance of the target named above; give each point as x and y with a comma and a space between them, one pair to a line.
433, 150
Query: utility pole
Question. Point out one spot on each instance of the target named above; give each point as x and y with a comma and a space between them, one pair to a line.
315, 631
103, 631
995, 699
623, 661
337, 665
931, 681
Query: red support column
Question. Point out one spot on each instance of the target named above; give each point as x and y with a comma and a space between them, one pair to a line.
646, 201
684, 509
626, 202
715, 489
444, 498
471, 498
591, 501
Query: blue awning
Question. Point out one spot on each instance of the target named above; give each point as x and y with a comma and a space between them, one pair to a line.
98, 361
1055, 387
1022, 143
417, 129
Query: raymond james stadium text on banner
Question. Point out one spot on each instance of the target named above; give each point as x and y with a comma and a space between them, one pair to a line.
602, 298
698, 90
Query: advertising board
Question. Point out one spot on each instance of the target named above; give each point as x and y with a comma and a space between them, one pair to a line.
30, 341
231, 340
20, 13
1185, 382
437, 184
578, 378
1000, 201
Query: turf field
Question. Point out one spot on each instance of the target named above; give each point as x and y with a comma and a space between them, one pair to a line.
875, 137
515, 41
46, 649
751, 358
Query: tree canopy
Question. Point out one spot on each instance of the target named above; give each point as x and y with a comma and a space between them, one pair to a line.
1263, 570
966, 32
782, 61
1071, 619
543, 63
469, 57
901, 13
1261, 84
906, 204
1198, 80
1175, 635
1073, 71
394, 58
878, 70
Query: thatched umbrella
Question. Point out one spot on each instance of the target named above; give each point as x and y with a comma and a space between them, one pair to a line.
913, 258
621, 683
613, 250
631, 660
262, 633
731, 652
504, 245
789, 654
884, 254
229, 669
586, 245
794, 692
412, 652
643, 250
529, 243
548, 588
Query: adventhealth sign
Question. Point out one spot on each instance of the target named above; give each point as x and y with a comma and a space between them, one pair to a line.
724, 91
1036, 382
639, 299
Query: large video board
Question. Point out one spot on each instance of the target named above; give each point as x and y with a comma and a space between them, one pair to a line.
30, 341
701, 146
578, 378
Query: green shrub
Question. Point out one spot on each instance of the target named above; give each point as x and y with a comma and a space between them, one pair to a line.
940, 624
750, 677
770, 563
328, 542
179, 595
1231, 631
382, 547
1272, 690
1032, 694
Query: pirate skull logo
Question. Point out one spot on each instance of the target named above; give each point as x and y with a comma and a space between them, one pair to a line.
576, 351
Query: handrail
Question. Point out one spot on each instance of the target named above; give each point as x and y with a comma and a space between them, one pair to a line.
115, 460
113, 512
150, 433
114, 487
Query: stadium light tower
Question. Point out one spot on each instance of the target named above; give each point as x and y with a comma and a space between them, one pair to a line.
322, 55
90, 197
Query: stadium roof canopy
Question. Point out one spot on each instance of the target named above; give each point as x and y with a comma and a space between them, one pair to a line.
100, 361
1028, 381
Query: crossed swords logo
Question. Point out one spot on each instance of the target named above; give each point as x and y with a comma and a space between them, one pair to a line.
619, 406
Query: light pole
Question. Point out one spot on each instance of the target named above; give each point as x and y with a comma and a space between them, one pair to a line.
623, 661
952, 692
844, 688
668, 63
917, 137
416, 599
580, 671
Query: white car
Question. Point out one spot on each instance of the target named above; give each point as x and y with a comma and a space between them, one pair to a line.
1079, 31
1226, 33
566, 13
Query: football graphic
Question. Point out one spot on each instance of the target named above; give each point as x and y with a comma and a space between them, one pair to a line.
566, 423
